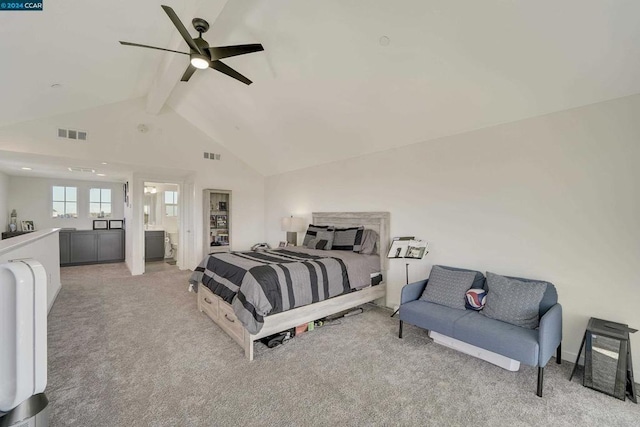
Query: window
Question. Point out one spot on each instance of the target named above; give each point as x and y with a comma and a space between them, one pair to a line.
65, 202
171, 203
100, 203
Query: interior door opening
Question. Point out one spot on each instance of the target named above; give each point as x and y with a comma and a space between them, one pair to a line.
161, 225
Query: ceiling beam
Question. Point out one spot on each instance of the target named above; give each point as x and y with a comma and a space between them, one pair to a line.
173, 65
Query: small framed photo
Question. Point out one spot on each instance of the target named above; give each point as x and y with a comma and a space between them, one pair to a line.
100, 224
28, 226
282, 244
221, 221
415, 252
222, 206
116, 224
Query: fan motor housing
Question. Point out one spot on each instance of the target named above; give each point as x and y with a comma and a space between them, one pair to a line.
200, 25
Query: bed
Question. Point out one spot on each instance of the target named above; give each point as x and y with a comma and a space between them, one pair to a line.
320, 283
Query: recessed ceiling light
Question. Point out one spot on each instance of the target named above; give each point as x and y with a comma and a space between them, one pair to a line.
105, 163
56, 86
26, 169
101, 174
384, 41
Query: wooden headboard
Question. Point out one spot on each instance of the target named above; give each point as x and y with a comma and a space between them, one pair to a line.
376, 221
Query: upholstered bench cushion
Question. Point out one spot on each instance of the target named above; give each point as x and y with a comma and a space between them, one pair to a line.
434, 317
503, 338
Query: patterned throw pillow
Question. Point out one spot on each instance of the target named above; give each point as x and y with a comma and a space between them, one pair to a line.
475, 299
348, 239
317, 244
448, 287
328, 236
312, 232
513, 301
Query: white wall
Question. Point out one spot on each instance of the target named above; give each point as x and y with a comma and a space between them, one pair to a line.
554, 197
32, 198
171, 143
5, 211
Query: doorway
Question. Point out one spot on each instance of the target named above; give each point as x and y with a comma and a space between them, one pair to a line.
161, 220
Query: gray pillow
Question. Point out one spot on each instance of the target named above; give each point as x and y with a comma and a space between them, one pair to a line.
312, 232
448, 287
316, 244
513, 301
325, 235
348, 239
369, 241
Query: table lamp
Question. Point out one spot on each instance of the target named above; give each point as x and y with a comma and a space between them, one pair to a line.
292, 225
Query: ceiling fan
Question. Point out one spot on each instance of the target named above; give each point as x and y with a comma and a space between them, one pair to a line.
202, 56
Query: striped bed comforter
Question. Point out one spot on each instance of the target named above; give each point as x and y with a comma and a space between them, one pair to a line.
260, 283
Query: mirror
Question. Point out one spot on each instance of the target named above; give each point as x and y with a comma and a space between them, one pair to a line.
150, 200
605, 355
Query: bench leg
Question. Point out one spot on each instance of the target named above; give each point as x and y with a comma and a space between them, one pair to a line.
400, 330
559, 354
540, 379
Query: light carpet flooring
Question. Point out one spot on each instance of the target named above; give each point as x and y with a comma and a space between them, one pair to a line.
134, 351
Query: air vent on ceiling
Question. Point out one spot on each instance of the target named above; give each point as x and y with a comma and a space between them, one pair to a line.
72, 134
212, 156
79, 169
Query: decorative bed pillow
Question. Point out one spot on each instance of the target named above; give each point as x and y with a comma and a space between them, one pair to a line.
317, 243
475, 299
369, 242
328, 236
312, 232
448, 287
347, 239
513, 301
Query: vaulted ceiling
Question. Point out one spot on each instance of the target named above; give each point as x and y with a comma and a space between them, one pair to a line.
337, 78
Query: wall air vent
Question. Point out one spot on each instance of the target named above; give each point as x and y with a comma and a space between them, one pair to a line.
79, 169
212, 156
72, 134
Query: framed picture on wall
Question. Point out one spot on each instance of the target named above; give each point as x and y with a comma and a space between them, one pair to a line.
116, 224
100, 224
125, 188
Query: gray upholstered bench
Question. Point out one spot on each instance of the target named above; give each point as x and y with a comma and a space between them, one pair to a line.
530, 344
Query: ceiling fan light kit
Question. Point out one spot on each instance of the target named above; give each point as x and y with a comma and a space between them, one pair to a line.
200, 61
201, 55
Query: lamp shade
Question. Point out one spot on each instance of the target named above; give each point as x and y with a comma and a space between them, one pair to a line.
292, 224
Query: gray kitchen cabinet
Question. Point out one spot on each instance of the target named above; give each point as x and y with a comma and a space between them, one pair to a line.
91, 246
84, 247
110, 245
154, 245
65, 249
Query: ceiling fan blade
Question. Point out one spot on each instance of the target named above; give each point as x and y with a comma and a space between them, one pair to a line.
225, 69
151, 47
181, 29
227, 51
188, 73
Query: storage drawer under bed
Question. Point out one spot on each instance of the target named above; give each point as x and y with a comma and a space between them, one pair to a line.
221, 313
208, 302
